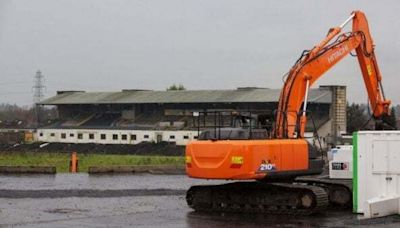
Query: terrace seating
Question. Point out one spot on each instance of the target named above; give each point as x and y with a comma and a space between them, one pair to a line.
77, 120
102, 120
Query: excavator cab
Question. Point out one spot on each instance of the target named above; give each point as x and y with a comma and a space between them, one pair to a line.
231, 125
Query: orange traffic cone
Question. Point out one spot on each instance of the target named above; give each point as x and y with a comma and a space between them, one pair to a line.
73, 163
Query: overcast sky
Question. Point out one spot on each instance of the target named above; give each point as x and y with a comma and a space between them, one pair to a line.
109, 45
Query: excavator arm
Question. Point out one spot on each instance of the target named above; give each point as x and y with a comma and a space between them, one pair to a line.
290, 121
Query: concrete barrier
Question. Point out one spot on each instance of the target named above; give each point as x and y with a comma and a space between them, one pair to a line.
28, 169
153, 169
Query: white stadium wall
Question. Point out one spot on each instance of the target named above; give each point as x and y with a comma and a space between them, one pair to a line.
114, 136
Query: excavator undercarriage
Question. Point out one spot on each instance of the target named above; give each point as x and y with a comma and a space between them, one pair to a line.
258, 197
303, 196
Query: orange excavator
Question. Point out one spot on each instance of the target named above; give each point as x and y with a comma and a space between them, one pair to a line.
273, 164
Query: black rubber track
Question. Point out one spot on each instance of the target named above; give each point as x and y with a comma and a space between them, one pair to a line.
258, 197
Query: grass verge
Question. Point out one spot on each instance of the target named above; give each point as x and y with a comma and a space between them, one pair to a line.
61, 160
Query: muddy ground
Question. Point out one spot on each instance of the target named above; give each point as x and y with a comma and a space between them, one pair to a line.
68, 200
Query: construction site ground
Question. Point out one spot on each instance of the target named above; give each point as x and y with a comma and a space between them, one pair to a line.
82, 200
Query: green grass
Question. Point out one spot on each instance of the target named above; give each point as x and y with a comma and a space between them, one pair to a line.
61, 160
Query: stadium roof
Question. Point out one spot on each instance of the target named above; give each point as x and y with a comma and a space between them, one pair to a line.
249, 95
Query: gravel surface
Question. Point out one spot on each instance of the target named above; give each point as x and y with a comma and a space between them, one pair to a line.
81, 200
98, 182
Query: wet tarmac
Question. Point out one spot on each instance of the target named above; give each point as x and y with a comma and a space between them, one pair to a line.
80, 200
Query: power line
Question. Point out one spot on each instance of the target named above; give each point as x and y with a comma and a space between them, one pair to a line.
14, 83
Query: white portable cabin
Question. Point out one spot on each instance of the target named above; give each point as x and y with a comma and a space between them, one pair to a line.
376, 176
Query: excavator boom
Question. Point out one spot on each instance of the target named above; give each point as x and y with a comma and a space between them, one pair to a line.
290, 121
